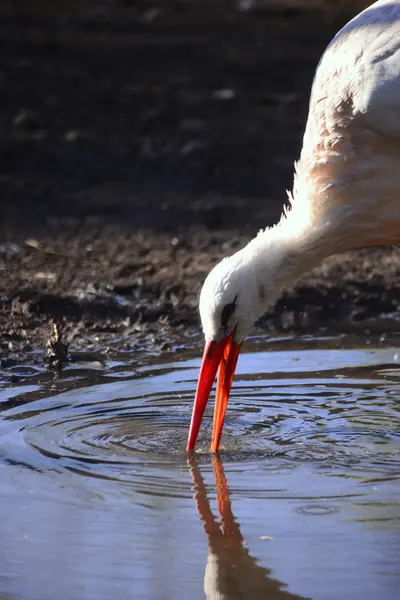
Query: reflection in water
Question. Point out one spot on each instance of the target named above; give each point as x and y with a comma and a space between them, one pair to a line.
94, 478
231, 572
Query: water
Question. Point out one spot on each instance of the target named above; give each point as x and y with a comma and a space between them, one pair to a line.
99, 500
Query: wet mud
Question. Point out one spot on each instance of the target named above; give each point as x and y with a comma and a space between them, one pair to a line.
140, 143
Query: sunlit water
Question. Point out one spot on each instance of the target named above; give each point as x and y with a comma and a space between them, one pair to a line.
98, 499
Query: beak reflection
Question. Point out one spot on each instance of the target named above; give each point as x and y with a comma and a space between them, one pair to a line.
231, 572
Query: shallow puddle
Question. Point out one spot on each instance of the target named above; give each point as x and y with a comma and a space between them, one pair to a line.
99, 500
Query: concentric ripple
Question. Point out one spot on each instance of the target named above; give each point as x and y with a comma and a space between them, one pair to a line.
336, 408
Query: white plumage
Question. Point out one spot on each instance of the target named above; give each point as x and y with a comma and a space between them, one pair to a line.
347, 182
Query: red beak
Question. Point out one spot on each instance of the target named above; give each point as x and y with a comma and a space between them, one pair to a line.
223, 354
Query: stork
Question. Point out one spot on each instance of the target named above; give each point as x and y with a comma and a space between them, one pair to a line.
346, 194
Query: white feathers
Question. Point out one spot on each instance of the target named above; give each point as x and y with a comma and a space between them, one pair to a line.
231, 281
346, 186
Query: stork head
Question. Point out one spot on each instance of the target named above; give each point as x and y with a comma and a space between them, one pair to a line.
230, 299
230, 303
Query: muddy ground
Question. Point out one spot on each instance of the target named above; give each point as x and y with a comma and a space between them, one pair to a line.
142, 141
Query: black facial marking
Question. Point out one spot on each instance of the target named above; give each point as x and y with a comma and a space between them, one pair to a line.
227, 312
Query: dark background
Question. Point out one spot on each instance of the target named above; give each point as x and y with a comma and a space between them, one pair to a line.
141, 141
107, 106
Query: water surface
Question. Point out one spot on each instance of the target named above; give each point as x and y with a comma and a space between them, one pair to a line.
99, 500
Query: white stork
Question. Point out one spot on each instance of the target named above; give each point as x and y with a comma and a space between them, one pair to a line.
346, 194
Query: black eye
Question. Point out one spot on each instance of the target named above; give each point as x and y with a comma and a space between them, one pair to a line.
227, 312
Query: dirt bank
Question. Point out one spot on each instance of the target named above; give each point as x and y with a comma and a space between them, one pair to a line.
139, 143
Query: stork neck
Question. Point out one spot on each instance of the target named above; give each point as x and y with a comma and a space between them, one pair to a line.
282, 254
